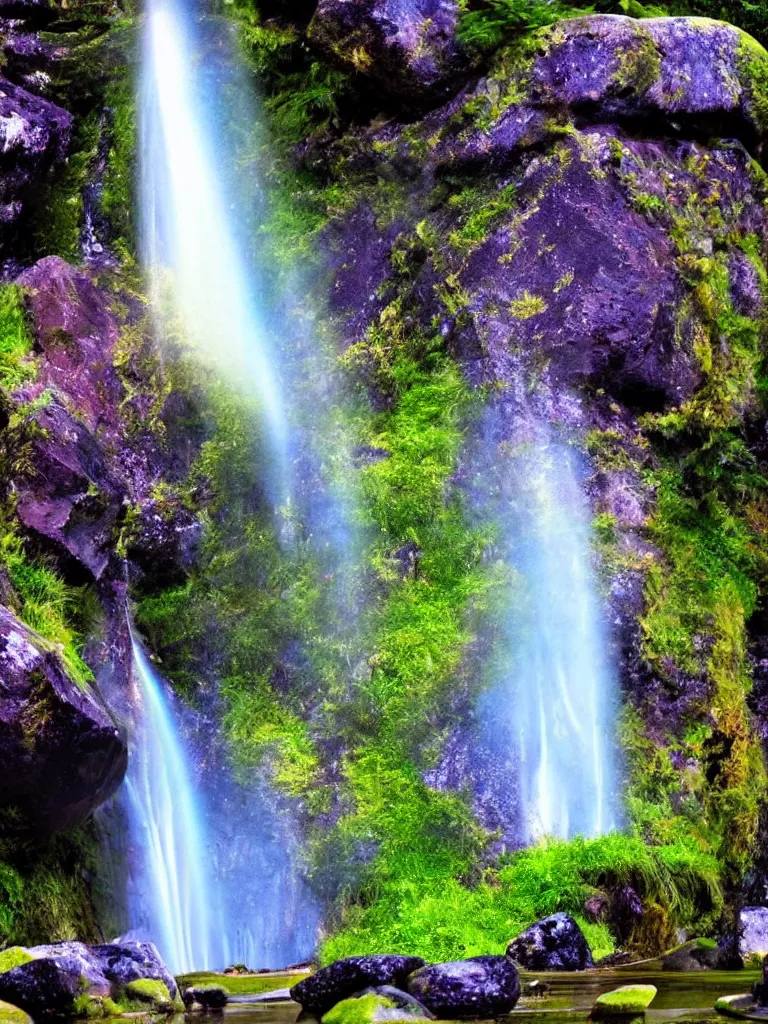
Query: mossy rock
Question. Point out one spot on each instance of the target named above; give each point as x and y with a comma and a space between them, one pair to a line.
13, 957
366, 1009
150, 992
628, 999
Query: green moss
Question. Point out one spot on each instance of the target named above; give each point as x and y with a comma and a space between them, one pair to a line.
526, 306
359, 1010
13, 957
149, 991
627, 999
15, 340
11, 1015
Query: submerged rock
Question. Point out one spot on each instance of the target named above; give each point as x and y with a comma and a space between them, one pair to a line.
61, 754
482, 986
554, 944
344, 978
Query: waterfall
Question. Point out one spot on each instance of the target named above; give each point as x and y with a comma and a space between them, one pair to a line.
547, 719
175, 896
211, 865
195, 222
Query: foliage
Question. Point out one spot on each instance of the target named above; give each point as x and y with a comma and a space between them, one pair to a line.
15, 340
486, 24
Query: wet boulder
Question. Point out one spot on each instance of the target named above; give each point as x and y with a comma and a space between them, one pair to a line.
61, 754
44, 988
130, 961
555, 943
344, 978
482, 986
408, 48
753, 932
627, 1000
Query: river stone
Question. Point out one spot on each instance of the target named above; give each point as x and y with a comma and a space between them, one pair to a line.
61, 754
554, 944
372, 1008
339, 980
753, 932
482, 986
210, 997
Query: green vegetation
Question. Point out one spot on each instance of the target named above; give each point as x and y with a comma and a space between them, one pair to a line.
149, 991
15, 340
15, 956
239, 984
360, 1010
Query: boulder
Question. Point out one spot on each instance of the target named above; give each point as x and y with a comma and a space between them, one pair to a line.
46, 985
625, 1000
482, 986
408, 48
697, 955
753, 932
129, 961
399, 999
328, 986
554, 944
61, 754
44, 989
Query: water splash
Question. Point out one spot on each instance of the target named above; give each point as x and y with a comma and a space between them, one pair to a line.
174, 895
550, 711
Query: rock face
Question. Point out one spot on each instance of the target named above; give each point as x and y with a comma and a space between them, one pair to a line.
753, 932
483, 986
554, 944
697, 955
34, 136
46, 986
344, 978
61, 755
408, 49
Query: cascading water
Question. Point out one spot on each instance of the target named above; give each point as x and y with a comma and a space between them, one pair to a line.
547, 720
194, 222
175, 893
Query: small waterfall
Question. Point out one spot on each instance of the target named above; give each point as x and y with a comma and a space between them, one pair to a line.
211, 863
547, 720
174, 894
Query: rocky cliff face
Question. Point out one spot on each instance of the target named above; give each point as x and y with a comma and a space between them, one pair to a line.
571, 226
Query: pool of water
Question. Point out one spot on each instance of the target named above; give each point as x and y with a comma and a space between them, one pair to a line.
684, 997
